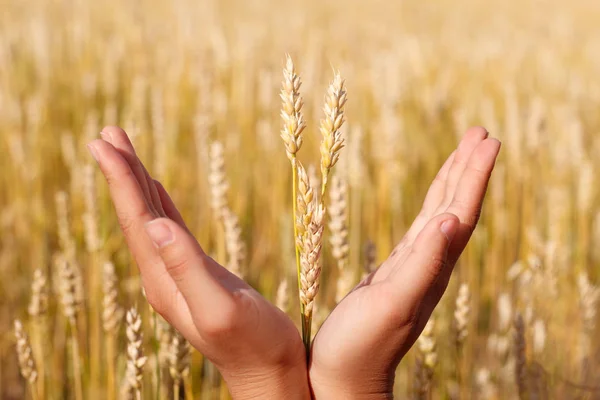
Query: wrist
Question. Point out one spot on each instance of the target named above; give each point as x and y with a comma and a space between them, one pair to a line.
284, 383
364, 386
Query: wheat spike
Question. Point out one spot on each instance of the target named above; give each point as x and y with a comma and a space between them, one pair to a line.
338, 226
291, 112
309, 260
461, 314
217, 180
179, 358
282, 299
112, 312
25, 355
69, 287
236, 248
135, 357
38, 306
332, 141
427, 360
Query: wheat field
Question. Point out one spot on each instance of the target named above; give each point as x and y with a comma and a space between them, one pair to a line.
196, 84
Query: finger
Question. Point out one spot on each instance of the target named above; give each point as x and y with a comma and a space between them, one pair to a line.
433, 199
469, 142
210, 303
168, 205
133, 213
119, 139
428, 259
470, 192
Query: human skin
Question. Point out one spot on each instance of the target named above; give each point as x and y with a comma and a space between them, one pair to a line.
255, 346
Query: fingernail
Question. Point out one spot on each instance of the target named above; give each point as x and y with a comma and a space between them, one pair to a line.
93, 151
106, 136
159, 233
448, 228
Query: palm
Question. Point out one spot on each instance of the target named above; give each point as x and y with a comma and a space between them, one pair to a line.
374, 326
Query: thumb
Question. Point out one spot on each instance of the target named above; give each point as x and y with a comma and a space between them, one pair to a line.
192, 271
428, 260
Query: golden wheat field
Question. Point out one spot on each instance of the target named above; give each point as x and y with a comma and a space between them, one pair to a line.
196, 84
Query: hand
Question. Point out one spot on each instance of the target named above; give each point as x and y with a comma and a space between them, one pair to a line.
357, 350
255, 346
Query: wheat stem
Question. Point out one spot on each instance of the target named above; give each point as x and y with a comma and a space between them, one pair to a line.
76, 359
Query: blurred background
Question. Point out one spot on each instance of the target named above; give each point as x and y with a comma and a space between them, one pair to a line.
180, 75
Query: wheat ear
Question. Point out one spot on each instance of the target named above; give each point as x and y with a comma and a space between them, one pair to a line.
38, 310
179, 361
461, 321
338, 226
332, 141
291, 133
69, 289
135, 358
426, 361
234, 243
25, 358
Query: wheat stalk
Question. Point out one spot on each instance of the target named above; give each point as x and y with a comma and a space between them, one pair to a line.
520, 357
26, 360
112, 315
38, 310
135, 358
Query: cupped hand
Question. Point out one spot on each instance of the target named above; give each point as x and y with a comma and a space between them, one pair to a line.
357, 349
255, 346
